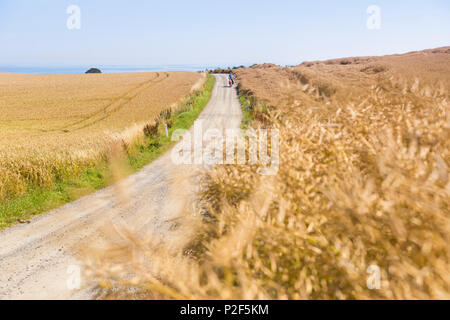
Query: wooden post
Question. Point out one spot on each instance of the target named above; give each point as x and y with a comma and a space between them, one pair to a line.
166, 130
191, 108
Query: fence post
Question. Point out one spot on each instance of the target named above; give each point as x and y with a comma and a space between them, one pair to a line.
166, 130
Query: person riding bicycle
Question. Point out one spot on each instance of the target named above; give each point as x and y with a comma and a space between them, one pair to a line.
230, 76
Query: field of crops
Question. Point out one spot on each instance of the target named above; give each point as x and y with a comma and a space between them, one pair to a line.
52, 126
360, 207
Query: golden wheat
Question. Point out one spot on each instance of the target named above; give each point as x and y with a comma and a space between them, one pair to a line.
53, 126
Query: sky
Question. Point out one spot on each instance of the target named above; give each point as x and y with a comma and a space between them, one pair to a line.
214, 33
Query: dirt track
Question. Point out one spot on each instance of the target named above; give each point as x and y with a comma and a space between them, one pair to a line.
36, 259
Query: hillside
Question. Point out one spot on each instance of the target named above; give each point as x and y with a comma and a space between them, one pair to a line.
289, 86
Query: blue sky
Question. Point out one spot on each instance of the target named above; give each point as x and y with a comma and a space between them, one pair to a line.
223, 33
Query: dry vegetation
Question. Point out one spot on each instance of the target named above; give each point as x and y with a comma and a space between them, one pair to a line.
54, 126
363, 181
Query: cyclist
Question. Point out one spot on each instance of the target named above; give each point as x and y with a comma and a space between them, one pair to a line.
230, 76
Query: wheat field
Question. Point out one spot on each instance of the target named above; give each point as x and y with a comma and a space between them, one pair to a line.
363, 183
53, 126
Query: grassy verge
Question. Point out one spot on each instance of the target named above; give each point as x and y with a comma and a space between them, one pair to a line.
140, 154
253, 109
247, 116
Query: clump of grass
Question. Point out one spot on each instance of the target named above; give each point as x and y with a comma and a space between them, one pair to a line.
151, 130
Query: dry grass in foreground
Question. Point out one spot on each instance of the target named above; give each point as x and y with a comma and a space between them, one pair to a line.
363, 181
54, 126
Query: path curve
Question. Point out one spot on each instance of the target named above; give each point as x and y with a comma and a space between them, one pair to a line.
37, 259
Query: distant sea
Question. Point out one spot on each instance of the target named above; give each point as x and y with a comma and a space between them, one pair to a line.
104, 69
